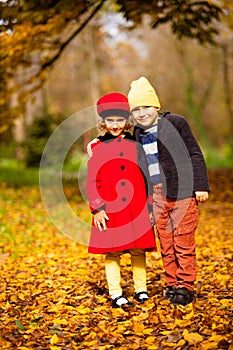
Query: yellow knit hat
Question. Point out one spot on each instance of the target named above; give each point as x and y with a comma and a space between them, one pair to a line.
142, 93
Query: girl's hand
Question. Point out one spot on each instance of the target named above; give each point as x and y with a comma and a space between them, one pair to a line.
201, 196
152, 219
100, 220
89, 150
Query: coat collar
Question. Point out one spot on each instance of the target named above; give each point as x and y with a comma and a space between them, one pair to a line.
109, 137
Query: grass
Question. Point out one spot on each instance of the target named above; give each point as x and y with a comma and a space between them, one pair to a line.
14, 174
221, 158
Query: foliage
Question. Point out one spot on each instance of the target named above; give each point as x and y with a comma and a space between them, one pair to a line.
219, 158
37, 135
191, 19
13, 171
34, 34
54, 295
15, 174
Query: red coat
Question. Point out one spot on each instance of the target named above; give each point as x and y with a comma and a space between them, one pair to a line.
116, 184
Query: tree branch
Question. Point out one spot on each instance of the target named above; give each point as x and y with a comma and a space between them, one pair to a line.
64, 45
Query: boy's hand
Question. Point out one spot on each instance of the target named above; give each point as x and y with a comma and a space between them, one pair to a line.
89, 150
201, 196
100, 220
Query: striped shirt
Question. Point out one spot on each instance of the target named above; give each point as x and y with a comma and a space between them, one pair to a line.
149, 142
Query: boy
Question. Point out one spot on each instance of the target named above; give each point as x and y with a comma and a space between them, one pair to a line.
179, 177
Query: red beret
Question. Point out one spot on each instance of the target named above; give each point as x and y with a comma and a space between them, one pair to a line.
113, 104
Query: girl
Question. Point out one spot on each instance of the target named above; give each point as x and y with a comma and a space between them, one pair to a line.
118, 199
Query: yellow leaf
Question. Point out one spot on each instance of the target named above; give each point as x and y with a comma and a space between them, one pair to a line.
101, 299
14, 298
117, 335
2, 296
192, 338
165, 332
8, 305
140, 317
138, 327
22, 275
121, 328
84, 311
79, 297
181, 342
148, 330
188, 309
182, 323
169, 344
60, 321
210, 268
54, 339
150, 339
21, 296
216, 338
90, 344
92, 334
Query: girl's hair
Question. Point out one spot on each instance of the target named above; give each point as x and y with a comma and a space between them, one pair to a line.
128, 125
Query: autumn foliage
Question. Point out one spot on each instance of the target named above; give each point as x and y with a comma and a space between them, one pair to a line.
54, 295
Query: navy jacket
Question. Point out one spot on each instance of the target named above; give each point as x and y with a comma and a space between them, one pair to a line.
182, 165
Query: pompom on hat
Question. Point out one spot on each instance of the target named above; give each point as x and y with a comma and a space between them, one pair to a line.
142, 93
113, 104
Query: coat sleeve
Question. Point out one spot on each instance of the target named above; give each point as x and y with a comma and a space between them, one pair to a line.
197, 158
93, 184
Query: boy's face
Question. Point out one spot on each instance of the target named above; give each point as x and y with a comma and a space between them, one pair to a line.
115, 125
145, 115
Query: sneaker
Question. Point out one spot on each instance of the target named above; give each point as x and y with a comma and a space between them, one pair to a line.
169, 293
121, 301
141, 297
183, 296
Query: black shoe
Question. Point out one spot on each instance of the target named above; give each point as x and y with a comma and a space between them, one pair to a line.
183, 296
169, 293
141, 297
116, 302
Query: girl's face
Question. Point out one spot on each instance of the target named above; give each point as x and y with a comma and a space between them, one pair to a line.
115, 125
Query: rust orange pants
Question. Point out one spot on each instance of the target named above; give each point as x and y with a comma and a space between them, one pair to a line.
176, 222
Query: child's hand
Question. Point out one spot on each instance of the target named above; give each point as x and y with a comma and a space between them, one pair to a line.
152, 219
201, 196
89, 150
100, 220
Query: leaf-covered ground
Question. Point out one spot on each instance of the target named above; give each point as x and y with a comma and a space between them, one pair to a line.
53, 294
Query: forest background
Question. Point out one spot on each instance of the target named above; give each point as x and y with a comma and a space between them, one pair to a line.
63, 71
57, 58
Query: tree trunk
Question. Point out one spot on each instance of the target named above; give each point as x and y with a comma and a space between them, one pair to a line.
93, 77
227, 85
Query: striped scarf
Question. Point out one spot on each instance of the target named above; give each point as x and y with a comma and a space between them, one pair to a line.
149, 142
